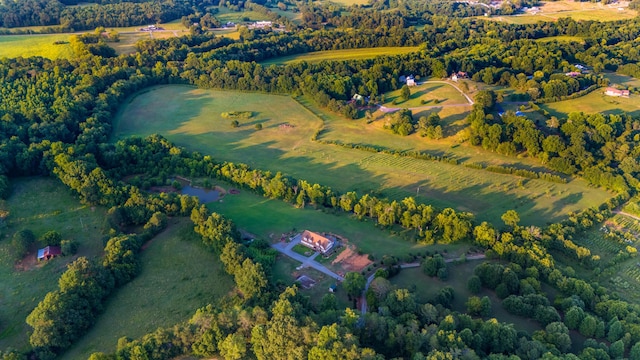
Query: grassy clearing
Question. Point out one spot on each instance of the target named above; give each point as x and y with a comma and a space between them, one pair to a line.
427, 288
427, 94
191, 117
268, 219
595, 102
225, 15
40, 205
553, 10
562, 38
12, 46
340, 55
178, 276
620, 79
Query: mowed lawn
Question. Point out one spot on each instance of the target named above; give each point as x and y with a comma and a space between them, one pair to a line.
341, 55
40, 205
427, 94
12, 46
191, 117
178, 277
595, 102
268, 219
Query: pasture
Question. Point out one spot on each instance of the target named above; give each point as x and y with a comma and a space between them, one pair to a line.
191, 117
178, 276
40, 205
553, 10
620, 79
12, 46
340, 55
595, 102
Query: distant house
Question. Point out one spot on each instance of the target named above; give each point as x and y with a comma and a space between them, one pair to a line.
317, 242
263, 24
573, 74
610, 91
459, 75
49, 252
580, 67
411, 81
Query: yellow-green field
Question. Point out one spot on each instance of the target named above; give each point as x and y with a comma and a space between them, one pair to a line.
595, 102
12, 46
340, 55
562, 38
191, 117
553, 10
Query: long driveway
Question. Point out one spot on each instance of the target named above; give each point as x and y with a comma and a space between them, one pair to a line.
287, 249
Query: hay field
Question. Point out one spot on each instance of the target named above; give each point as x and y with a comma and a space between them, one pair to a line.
191, 117
341, 55
12, 46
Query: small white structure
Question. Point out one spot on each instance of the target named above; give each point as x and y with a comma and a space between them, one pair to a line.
411, 81
262, 24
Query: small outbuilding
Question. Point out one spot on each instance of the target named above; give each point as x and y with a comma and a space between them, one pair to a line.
49, 252
333, 288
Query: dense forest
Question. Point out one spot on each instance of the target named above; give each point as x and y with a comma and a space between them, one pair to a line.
56, 118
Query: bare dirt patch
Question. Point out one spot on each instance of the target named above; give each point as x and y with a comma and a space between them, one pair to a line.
351, 261
29, 262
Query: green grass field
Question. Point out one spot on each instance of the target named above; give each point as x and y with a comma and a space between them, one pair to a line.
191, 117
12, 46
620, 79
595, 102
340, 55
269, 219
425, 95
178, 276
40, 205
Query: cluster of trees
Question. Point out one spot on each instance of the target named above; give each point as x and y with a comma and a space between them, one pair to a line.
114, 14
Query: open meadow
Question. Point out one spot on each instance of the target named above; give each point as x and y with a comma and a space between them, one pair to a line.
595, 102
12, 46
178, 276
192, 118
40, 205
340, 55
553, 10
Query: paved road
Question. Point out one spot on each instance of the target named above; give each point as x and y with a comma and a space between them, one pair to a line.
363, 298
286, 248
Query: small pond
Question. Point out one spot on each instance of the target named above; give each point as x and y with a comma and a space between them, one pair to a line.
205, 195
